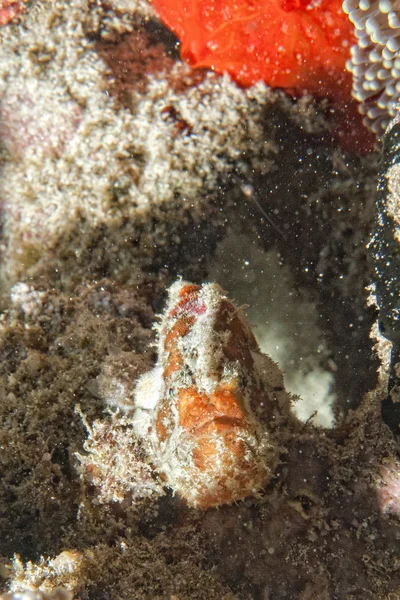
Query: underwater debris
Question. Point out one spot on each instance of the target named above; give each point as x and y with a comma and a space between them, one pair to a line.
213, 411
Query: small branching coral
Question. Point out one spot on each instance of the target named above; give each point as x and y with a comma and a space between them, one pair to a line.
213, 412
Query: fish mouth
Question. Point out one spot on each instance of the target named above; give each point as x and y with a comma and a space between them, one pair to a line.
221, 423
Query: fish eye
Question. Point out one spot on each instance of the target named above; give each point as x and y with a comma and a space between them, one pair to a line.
171, 392
244, 382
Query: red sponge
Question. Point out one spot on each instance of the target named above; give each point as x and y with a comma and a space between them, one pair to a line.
300, 45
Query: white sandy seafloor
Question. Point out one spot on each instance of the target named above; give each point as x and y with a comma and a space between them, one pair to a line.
284, 320
107, 196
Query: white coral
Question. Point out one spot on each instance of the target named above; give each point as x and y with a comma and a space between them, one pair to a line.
375, 59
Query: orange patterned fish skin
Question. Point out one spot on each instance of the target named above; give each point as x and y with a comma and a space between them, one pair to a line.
213, 412
299, 45
9, 9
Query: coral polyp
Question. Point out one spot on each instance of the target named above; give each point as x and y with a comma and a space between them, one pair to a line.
375, 61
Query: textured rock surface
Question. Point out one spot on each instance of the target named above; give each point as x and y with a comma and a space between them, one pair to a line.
80, 166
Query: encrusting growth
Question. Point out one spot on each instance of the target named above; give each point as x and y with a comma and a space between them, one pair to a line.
385, 251
213, 412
